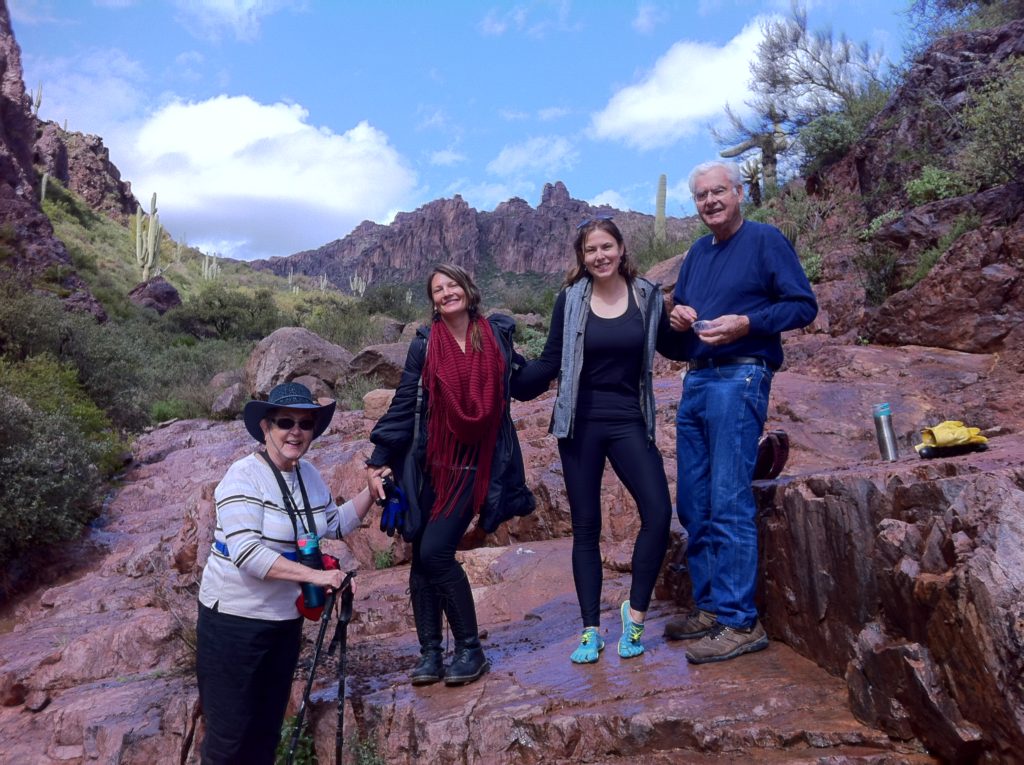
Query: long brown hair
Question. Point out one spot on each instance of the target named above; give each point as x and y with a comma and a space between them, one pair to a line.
473, 297
579, 269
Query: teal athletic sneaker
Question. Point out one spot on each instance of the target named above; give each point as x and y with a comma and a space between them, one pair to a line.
629, 643
590, 647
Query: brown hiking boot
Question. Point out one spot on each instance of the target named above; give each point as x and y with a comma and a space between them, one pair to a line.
724, 643
695, 624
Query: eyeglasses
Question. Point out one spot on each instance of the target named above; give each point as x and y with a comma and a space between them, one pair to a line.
716, 193
594, 219
287, 423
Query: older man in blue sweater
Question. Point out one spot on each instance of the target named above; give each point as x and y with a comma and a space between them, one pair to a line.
738, 289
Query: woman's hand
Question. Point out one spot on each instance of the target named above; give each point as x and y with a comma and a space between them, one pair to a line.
374, 480
330, 578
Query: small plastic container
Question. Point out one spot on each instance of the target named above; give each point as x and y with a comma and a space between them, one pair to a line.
701, 326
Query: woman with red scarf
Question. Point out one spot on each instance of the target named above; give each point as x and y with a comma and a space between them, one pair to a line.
449, 437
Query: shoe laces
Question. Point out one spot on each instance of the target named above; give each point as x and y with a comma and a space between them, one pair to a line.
716, 632
636, 631
588, 636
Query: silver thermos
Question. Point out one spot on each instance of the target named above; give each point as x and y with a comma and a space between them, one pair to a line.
886, 436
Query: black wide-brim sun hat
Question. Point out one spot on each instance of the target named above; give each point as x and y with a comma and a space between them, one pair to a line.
290, 395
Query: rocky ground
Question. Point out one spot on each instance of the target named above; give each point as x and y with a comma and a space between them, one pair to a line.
97, 666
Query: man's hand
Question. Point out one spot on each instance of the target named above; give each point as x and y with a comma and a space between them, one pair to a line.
725, 329
681, 317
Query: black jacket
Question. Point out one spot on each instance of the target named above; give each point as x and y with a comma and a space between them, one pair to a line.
394, 441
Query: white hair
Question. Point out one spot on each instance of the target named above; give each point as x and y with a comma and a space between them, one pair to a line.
732, 171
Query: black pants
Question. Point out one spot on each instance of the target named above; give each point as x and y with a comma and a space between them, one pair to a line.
433, 549
637, 462
245, 669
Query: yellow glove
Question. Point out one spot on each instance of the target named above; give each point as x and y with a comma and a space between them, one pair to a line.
950, 433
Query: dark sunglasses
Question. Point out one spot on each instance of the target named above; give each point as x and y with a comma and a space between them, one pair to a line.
594, 219
287, 423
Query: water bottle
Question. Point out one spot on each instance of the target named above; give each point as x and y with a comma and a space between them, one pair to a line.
884, 431
309, 555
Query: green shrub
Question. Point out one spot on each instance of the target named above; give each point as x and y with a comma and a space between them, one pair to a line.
224, 313
50, 386
811, 261
530, 342
652, 252
995, 121
113, 365
383, 558
933, 184
826, 140
877, 223
49, 486
878, 267
353, 391
389, 299
927, 259
342, 322
305, 749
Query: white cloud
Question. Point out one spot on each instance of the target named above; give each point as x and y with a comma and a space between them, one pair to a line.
552, 113
446, 158
513, 115
98, 93
548, 154
487, 196
689, 85
647, 18
209, 19
611, 199
258, 179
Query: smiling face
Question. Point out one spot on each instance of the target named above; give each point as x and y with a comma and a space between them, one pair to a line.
286, 446
601, 255
448, 296
718, 202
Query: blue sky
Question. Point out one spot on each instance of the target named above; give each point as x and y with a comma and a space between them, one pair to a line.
271, 126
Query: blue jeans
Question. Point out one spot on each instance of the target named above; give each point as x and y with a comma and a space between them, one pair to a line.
721, 417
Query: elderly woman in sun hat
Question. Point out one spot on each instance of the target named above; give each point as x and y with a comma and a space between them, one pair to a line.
249, 627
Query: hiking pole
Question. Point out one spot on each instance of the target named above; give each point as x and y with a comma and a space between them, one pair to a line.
340, 639
328, 606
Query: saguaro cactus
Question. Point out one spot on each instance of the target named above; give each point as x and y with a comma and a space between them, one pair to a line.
659, 210
358, 284
147, 253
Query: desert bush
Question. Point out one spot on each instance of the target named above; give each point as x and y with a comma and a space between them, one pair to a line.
811, 261
49, 485
113, 365
826, 139
389, 299
927, 259
878, 222
651, 252
220, 312
342, 322
50, 386
933, 184
352, 392
878, 273
995, 121
530, 342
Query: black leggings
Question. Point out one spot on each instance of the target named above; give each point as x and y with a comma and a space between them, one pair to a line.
433, 549
637, 462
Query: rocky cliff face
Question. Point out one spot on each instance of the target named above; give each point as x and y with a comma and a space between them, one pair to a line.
82, 163
514, 238
28, 249
918, 122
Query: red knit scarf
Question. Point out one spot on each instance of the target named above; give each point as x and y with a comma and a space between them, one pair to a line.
467, 403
